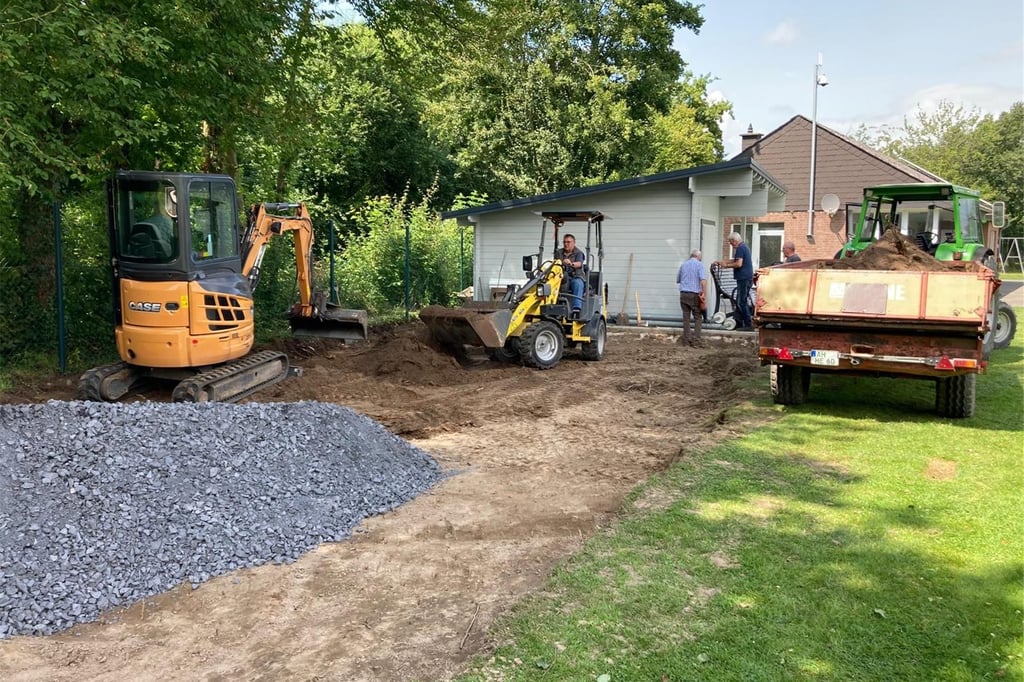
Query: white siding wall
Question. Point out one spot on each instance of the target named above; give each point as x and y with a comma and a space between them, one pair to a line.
653, 222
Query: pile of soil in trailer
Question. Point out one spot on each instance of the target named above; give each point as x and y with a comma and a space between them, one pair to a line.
891, 251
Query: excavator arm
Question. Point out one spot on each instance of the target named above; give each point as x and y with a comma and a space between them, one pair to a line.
313, 315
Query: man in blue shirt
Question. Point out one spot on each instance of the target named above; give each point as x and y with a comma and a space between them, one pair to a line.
692, 281
743, 271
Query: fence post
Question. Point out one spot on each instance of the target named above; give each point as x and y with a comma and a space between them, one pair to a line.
58, 251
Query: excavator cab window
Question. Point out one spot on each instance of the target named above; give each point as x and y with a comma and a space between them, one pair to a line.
147, 226
212, 220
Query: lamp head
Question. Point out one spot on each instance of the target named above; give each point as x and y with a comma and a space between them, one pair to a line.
822, 80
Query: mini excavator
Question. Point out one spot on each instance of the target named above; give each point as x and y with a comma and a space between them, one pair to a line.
183, 279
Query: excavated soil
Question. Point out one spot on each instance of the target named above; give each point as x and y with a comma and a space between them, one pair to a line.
540, 460
891, 251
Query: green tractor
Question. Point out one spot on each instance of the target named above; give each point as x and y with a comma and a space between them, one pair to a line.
947, 221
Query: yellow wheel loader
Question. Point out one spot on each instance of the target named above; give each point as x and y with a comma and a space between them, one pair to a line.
534, 322
183, 277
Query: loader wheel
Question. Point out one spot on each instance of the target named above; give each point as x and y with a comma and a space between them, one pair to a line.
789, 384
541, 345
1005, 327
954, 397
507, 353
594, 350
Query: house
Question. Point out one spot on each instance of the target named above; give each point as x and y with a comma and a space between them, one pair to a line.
653, 222
843, 168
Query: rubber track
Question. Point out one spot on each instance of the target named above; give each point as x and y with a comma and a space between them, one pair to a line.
187, 390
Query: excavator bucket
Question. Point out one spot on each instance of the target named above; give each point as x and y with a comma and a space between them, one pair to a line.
476, 324
334, 323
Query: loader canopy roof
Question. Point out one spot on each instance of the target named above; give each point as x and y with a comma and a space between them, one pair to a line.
921, 191
568, 216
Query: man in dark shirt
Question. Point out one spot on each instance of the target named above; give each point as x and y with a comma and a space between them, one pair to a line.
789, 253
573, 259
743, 270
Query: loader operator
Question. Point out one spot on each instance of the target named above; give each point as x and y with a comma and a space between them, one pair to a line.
572, 260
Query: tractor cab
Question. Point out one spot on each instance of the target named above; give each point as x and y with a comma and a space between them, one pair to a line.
943, 219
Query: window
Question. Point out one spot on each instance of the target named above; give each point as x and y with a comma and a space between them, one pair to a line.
765, 241
769, 244
212, 220
145, 221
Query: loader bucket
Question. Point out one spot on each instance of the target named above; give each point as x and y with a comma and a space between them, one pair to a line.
474, 325
334, 323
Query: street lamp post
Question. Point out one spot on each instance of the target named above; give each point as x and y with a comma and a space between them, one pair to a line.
820, 81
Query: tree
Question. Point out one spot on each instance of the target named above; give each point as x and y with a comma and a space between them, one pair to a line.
690, 133
542, 97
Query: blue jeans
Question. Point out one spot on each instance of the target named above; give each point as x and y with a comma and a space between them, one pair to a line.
576, 286
743, 312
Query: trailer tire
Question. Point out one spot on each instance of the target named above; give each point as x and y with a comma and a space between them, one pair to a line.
541, 345
1005, 327
594, 350
955, 396
790, 385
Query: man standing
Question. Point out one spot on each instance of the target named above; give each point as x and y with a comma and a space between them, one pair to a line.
572, 260
693, 282
743, 271
789, 253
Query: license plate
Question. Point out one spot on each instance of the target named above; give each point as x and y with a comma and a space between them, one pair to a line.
829, 358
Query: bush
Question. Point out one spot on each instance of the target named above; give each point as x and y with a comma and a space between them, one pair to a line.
372, 269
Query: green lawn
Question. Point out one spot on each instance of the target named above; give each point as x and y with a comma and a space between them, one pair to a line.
858, 537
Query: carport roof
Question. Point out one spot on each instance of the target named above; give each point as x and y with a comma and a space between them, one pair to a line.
732, 164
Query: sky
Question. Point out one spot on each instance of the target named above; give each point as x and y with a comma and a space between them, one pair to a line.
883, 59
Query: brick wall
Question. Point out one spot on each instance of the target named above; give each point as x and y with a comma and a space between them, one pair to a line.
829, 233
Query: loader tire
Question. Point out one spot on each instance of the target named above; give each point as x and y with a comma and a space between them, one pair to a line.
507, 353
789, 384
1005, 327
594, 350
954, 397
541, 345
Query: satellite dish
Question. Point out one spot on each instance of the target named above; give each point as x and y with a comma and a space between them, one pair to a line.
830, 203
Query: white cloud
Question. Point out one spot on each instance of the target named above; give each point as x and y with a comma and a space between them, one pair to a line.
984, 98
783, 34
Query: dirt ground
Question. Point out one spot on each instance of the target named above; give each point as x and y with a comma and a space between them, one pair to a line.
540, 460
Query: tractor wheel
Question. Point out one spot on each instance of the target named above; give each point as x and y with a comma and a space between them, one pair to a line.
954, 397
541, 345
594, 350
507, 353
1006, 326
789, 384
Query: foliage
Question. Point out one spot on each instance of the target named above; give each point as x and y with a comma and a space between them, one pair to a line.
372, 270
963, 146
536, 98
690, 133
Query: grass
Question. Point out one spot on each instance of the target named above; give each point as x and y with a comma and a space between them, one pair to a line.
858, 537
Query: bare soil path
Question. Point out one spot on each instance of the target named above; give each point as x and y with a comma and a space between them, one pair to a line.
539, 461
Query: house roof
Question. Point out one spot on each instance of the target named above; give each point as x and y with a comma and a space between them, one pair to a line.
913, 170
732, 164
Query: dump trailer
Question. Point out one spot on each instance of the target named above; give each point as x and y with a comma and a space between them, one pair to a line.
904, 314
183, 279
533, 322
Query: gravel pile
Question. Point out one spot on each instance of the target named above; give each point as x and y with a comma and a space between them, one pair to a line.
104, 504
